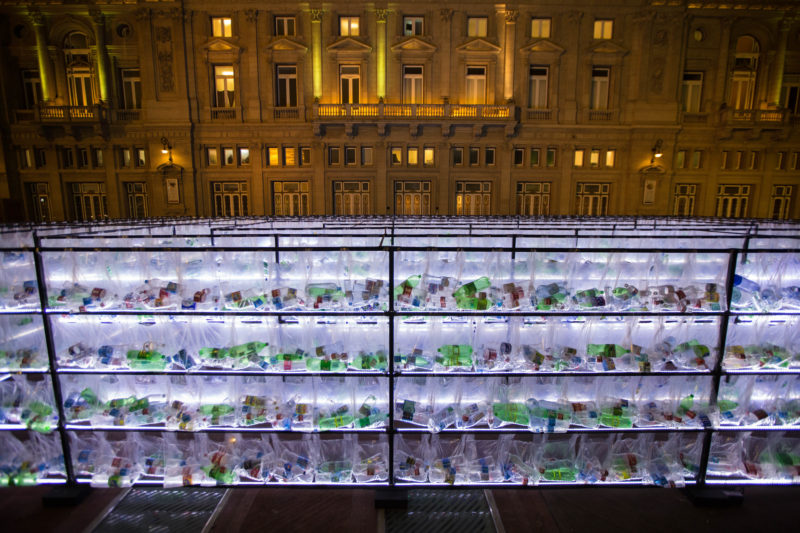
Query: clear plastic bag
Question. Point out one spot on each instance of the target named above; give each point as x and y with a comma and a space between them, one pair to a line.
548, 410
447, 459
293, 461
413, 400
333, 408
474, 407
515, 455
509, 405
335, 461
411, 457
371, 462
254, 456
556, 458
482, 460
371, 394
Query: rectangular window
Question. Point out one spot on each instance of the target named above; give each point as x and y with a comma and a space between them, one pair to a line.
40, 157
795, 164
413, 25
540, 28
594, 158
428, 156
519, 157
725, 160
230, 199
39, 198
89, 201
550, 162
611, 156
473, 198
83, 157
396, 156
538, 87
32, 88
212, 157
140, 159
790, 97
289, 156
474, 156
67, 158
780, 201
366, 156
592, 199
578, 159
125, 157
350, 82
284, 26
680, 159
351, 198
305, 156
458, 156
732, 201
691, 91
739, 162
412, 198
743, 84
137, 200
697, 159
334, 155
221, 27
600, 76
476, 26
534, 157
489, 157
224, 86
228, 157
780, 161
533, 198
131, 89
291, 198
752, 161
412, 156
286, 85
97, 155
683, 204
244, 156
350, 155
80, 86
603, 28
349, 26
476, 85
412, 84
26, 158
273, 156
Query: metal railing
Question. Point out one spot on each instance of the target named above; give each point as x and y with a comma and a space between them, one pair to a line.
223, 113
381, 111
540, 114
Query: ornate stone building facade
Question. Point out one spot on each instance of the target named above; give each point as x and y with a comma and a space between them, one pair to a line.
133, 108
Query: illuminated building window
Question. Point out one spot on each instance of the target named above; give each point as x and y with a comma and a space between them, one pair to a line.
412, 156
221, 27
691, 91
349, 83
611, 156
285, 26
476, 26
224, 86
603, 29
428, 158
286, 85
131, 89
540, 28
599, 97
413, 25
475, 90
412, 84
349, 26
537, 98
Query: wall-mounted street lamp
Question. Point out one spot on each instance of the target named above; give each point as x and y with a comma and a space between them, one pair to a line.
657, 153
166, 148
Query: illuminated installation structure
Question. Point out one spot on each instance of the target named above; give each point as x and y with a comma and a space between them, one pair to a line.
311, 108
395, 351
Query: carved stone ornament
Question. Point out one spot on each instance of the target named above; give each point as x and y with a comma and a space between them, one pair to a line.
163, 34
381, 14
36, 16
142, 14
446, 14
316, 15
660, 37
574, 17
511, 16
96, 15
165, 71
250, 15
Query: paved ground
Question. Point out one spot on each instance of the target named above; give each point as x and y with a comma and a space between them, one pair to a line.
353, 510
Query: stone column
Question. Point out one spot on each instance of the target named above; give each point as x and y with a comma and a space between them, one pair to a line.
316, 53
446, 15
508, 68
380, 15
46, 74
98, 23
776, 79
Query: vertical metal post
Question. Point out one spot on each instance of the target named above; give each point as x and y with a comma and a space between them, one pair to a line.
391, 432
51, 356
717, 372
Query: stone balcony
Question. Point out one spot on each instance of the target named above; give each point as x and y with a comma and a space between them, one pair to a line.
63, 114
412, 112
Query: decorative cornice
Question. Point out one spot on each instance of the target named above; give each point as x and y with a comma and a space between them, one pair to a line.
511, 16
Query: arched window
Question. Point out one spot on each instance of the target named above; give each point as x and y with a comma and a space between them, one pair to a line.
79, 69
745, 68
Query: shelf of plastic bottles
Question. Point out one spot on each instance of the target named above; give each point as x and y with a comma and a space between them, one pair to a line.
402, 352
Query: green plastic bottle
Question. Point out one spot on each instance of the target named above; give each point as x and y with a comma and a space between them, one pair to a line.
455, 355
469, 289
410, 283
514, 413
